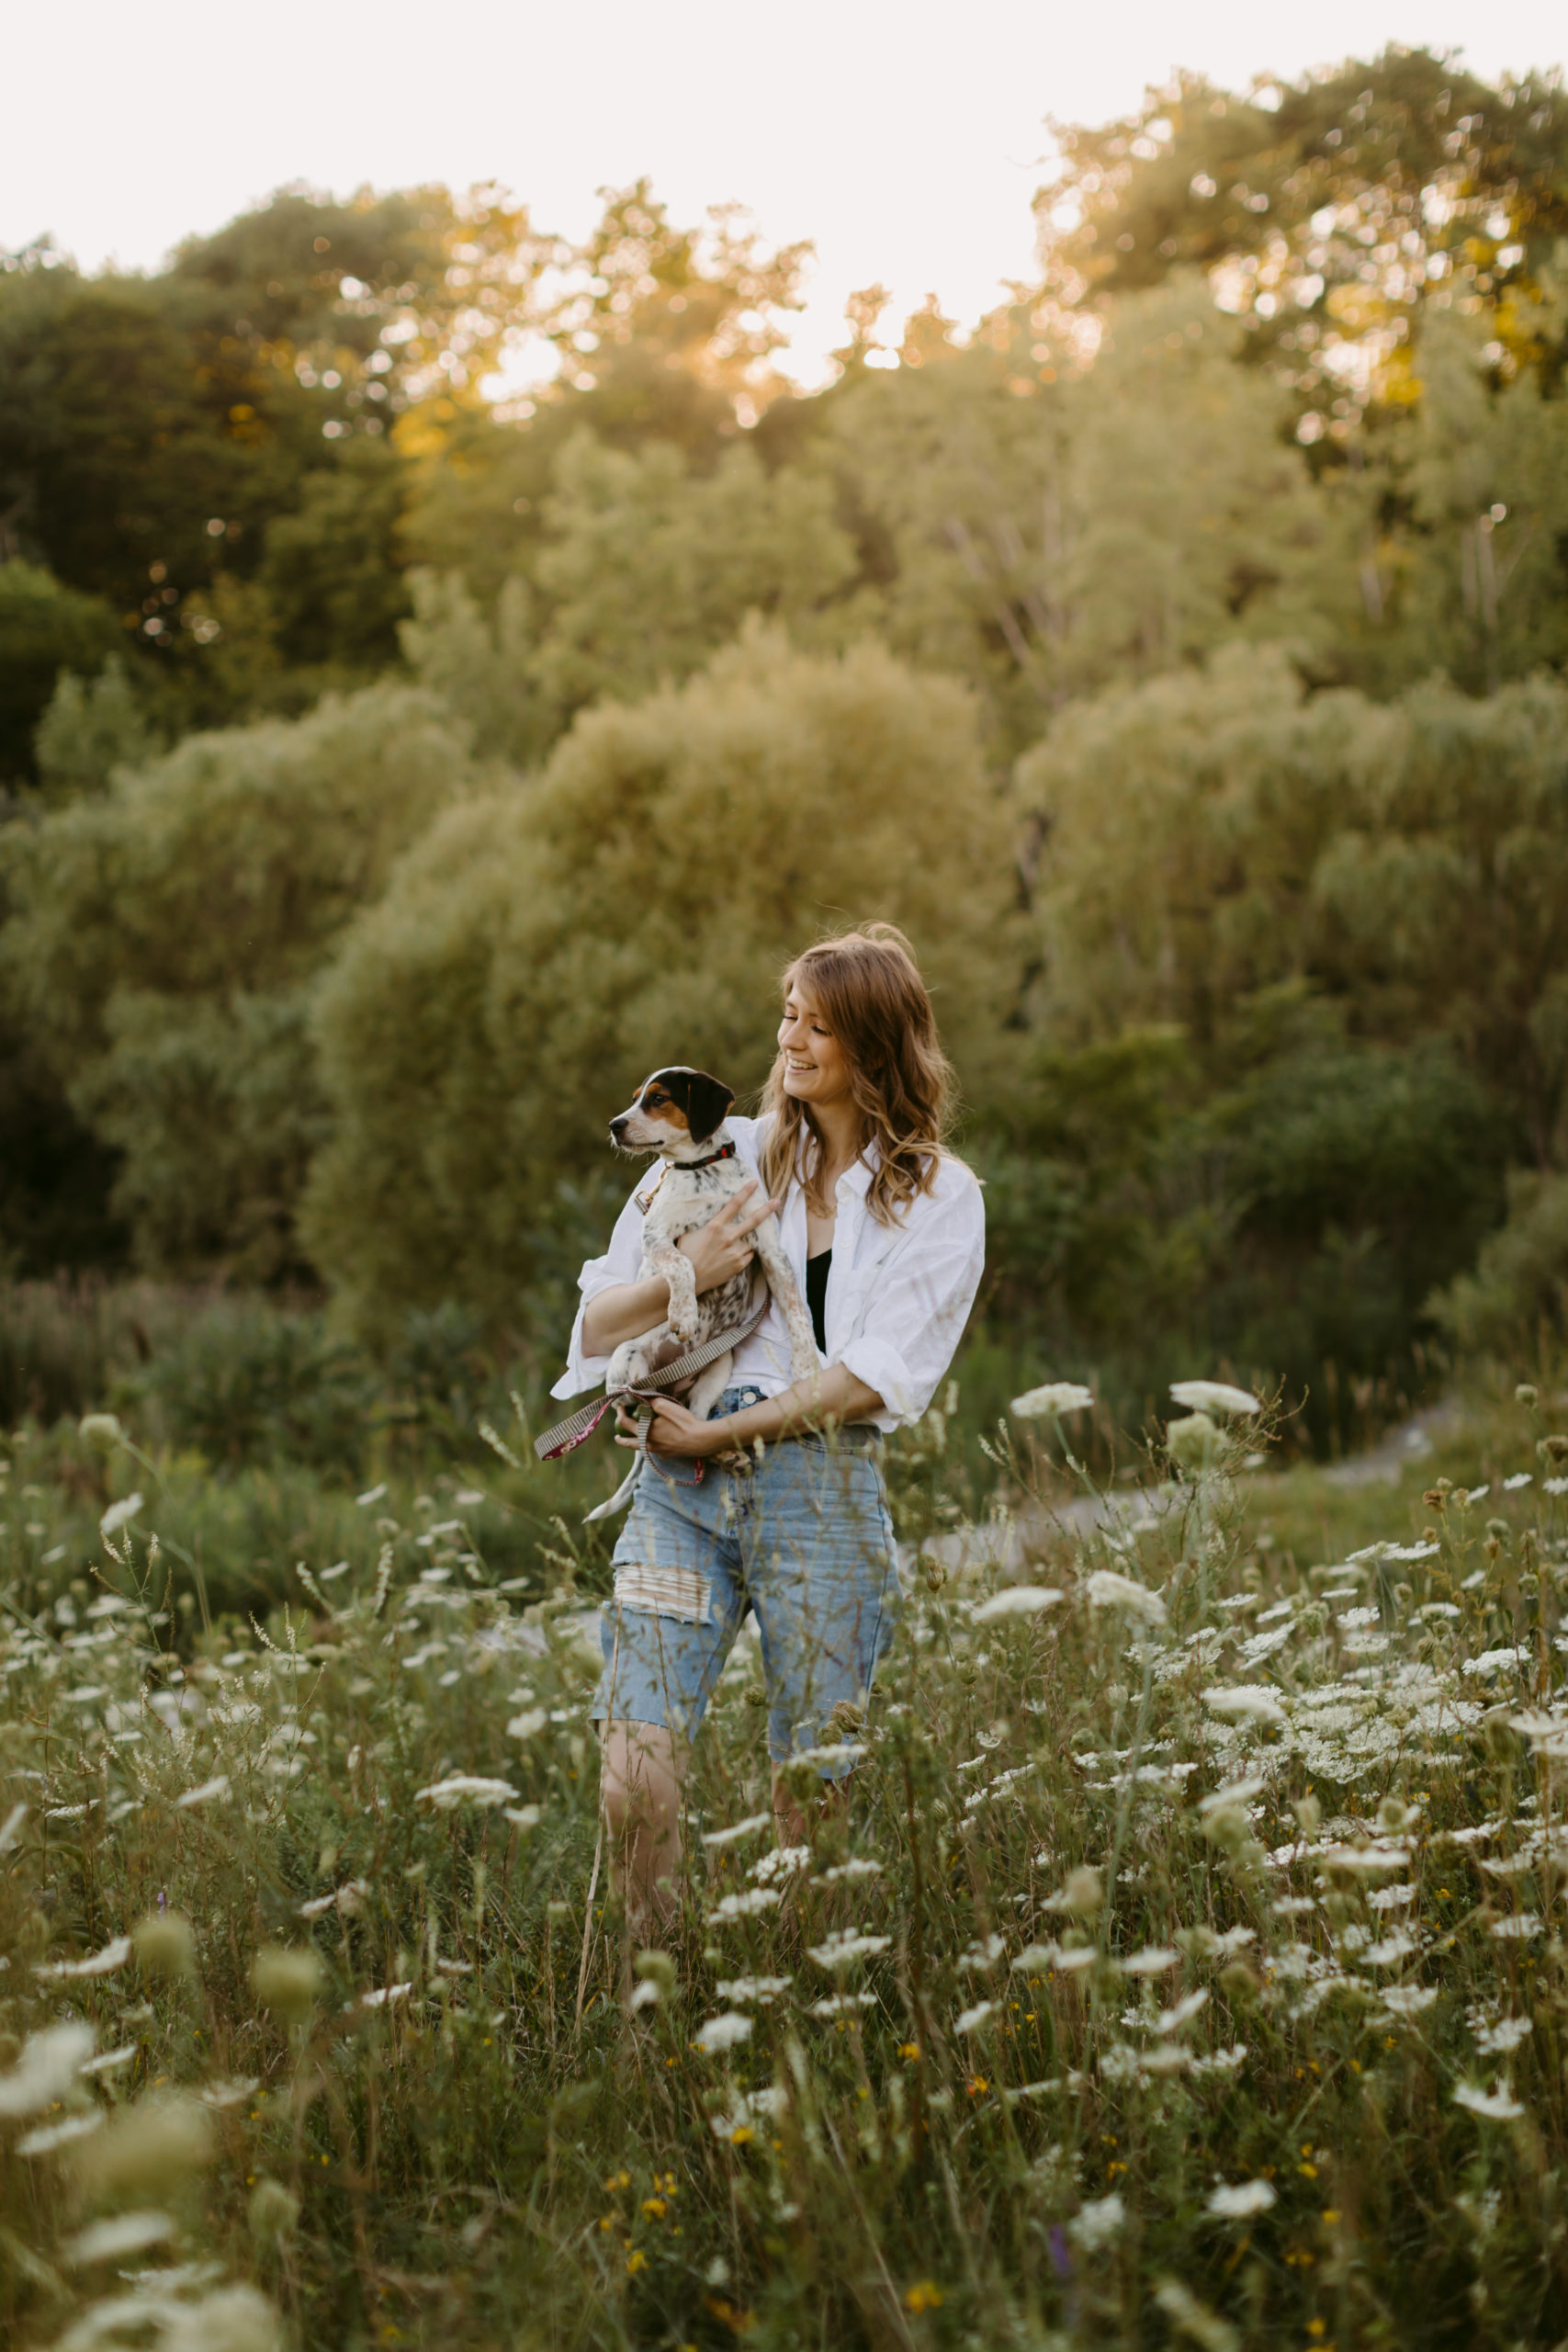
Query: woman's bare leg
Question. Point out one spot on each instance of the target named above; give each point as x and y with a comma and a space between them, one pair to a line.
641, 1771
792, 1820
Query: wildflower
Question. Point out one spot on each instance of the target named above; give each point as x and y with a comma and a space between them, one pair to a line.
528, 1724
746, 1905
50, 2138
46, 2069
98, 1963
234, 2319
656, 1970
118, 1515
1181, 2013
738, 1830
116, 2240
1239, 2201
753, 1988
1499, 2106
1153, 1961
286, 1982
165, 1944
102, 1432
1213, 1397
971, 2021
1106, 1589
843, 1949
522, 1816
464, 1788
151, 2147
839, 2005
1523, 1923
219, 1786
1097, 2223
859, 1866
1017, 1601
1246, 1702
723, 2032
1056, 1397
371, 1495
1408, 2000
273, 2212
923, 2296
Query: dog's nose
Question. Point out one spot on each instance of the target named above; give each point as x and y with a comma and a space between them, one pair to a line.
618, 1127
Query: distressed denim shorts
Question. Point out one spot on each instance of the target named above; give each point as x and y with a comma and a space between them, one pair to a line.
803, 1538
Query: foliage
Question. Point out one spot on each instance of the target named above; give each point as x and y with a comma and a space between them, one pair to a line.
1188, 1937
92, 726
546, 944
44, 627
165, 938
1516, 1301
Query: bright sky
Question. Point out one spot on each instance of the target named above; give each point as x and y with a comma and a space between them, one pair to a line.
904, 137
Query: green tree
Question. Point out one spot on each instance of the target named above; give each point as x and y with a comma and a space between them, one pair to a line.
44, 627
165, 938
546, 943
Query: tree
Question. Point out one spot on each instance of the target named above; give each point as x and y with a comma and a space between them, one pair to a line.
165, 939
1333, 209
548, 943
44, 627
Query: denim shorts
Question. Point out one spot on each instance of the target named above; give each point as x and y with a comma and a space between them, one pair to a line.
803, 1538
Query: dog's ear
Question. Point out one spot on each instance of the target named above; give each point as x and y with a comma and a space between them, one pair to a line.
706, 1102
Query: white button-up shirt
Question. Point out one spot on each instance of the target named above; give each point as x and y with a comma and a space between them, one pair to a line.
899, 1295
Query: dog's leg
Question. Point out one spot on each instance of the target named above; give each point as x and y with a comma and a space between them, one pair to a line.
627, 1487
627, 1366
677, 1269
804, 1360
710, 1386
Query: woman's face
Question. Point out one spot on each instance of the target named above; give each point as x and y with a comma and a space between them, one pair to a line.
815, 1069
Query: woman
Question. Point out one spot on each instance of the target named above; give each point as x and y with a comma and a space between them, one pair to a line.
775, 1502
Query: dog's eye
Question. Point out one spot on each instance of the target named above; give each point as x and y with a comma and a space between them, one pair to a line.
654, 1101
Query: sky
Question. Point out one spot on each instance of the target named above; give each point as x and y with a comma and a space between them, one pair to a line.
904, 140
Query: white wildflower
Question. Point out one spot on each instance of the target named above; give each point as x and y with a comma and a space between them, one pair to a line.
1213, 1397
1409, 2000
843, 1949
464, 1788
747, 1905
1057, 1396
723, 2032
753, 1988
1183, 2012
738, 1830
1017, 1601
841, 2005
371, 1495
1097, 2223
207, 1793
971, 2021
98, 1963
1234, 1793
859, 1866
1246, 1702
115, 2240
785, 1862
1106, 1589
1523, 1923
1497, 2041
1239, 2201
523, 1816
528, 1724
1153, 1961
1499, 2106
118, 1515
51, 2137
47, 2068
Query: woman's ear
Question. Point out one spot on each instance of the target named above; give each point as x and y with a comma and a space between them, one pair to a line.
707, 1104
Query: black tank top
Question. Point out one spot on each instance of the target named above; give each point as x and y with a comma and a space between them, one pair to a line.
816, 1294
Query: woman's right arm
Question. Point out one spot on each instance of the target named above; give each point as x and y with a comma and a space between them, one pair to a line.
717, 1250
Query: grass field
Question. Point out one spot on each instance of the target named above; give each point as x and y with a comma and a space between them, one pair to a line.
1190, 1965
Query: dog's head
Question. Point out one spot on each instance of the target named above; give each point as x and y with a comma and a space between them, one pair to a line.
676, 1113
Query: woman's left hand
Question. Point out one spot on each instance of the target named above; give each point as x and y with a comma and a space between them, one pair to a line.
675, 1431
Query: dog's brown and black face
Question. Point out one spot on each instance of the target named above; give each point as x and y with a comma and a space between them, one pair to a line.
675, 1111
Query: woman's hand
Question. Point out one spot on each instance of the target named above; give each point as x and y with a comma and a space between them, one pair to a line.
723, 1248
675, 1432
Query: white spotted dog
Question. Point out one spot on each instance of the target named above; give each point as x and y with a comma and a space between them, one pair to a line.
680, 1115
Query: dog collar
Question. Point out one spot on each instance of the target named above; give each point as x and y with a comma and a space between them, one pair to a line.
645, 1198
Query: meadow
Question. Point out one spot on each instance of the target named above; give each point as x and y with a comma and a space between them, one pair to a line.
1188, 1966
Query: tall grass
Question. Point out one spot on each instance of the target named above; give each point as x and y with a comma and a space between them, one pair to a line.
1189, 1963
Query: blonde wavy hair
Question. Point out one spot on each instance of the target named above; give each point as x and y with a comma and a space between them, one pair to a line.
868, 987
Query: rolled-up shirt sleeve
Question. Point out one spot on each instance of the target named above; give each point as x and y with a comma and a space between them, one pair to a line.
619, 1264
908, 1332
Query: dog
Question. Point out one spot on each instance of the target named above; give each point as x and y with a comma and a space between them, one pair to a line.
680, 1114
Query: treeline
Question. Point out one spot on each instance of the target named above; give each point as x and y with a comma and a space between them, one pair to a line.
395, 774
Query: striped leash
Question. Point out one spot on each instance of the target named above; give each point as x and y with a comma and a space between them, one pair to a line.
568, 1435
